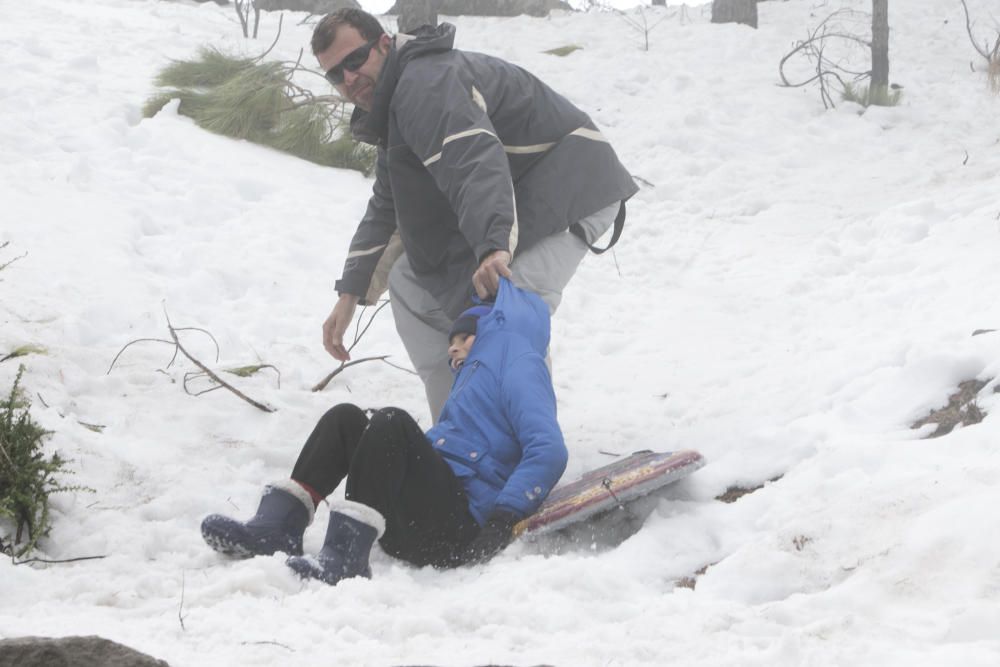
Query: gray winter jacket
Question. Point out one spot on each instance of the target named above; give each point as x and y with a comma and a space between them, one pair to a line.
474, 155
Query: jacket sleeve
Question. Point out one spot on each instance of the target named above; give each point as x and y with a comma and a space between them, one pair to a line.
442, 117
374, 246
530, 404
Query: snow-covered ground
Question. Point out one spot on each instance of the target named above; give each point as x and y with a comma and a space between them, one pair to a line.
795, 287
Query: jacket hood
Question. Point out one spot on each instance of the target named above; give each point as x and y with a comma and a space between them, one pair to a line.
520, 313
372, 127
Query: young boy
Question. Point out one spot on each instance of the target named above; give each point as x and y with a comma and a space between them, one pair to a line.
444, 498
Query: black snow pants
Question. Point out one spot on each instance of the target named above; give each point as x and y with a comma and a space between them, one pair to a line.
392, 467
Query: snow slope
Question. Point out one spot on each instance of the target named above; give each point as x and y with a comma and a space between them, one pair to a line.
795, 287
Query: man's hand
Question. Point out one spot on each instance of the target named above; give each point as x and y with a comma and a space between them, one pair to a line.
486, 279
336, 324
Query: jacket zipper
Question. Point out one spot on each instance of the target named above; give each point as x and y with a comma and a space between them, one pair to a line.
459, 388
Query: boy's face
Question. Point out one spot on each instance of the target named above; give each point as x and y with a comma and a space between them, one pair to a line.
458, 349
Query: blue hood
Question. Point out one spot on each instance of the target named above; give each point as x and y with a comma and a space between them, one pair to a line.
519, 313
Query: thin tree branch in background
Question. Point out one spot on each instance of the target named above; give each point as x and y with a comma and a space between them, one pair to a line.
240, 7
984, 50
644, 26
825, 69
281, 19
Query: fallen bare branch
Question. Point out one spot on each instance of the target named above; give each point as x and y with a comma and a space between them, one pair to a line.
180, 608
321, 385
6, 264
990, 54
207, 333
96, 428
54, 562
268, 643
398, 367
359, 333
205, 369
130, 344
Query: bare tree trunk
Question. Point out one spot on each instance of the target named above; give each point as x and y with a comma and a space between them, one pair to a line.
880, 47
735, 11
241, 11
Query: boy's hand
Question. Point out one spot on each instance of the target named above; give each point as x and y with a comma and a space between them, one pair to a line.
493, 537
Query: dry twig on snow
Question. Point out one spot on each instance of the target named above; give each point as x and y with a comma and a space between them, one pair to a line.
358, 333
203, 369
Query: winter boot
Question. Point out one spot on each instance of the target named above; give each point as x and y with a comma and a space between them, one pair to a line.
349, 539
282, 516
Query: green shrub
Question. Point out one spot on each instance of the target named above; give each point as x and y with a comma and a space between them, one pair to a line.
27, 475
258, 101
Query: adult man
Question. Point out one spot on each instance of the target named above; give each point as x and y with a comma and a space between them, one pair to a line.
479, 163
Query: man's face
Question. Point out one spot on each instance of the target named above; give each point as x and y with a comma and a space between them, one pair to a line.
458, 349
358, 85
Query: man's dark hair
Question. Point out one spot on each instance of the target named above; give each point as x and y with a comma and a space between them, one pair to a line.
360, 20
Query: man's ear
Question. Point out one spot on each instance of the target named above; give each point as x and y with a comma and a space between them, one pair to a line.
384, 42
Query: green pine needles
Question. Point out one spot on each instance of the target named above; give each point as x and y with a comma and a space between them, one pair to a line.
27, 476
246, 98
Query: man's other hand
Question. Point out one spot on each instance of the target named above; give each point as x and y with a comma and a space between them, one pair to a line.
486, 279
336, 325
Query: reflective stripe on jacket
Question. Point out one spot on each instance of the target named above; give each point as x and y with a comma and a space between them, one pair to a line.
474, 155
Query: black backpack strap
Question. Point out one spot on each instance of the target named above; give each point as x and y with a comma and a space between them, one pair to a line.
617, 234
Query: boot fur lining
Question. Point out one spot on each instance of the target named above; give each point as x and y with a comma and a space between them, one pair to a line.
295, 489
360, 512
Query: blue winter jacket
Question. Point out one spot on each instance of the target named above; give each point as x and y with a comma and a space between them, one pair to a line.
498, 430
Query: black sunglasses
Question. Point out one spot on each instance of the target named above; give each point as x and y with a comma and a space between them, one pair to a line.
352, 62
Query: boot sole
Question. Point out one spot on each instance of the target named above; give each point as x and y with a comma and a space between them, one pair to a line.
227, 547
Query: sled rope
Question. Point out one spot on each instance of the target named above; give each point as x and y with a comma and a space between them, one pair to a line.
606, 483
629, 514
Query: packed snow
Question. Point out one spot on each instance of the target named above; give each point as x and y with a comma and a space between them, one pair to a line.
795, 287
